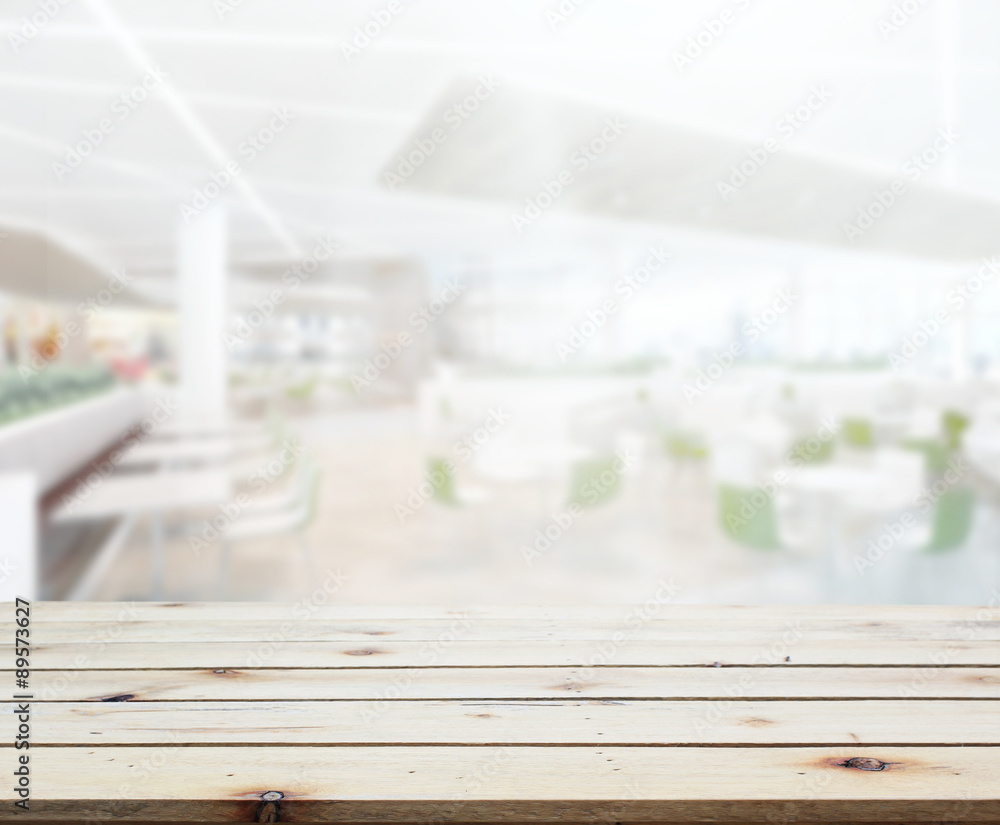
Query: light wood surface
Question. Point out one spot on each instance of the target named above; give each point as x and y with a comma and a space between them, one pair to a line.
489, 721
318, 608
473, 629
266, 683
194, 713
281, 650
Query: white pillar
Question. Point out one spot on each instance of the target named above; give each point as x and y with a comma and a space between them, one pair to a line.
203, 307
19, 517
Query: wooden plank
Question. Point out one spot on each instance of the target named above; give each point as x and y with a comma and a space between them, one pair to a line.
280, 652
194, 712
516, 784
775, 819
521, 683
318, 608
518, 630
593, 722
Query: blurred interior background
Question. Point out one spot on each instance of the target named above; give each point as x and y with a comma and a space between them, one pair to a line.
562, 301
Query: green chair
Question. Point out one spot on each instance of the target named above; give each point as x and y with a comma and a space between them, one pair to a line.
303, 391
858, 433
748, 520
442, 478
954, 425
953, 516
595, 482
822, 454
685, 446
934, 571
936, 453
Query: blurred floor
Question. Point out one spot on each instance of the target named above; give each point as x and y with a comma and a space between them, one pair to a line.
661, 528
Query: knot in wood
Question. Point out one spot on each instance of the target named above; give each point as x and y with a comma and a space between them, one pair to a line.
268, 811
865, 763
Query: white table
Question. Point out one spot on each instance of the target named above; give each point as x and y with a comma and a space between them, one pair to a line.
194, 451
153, 494
508, 462
868, 490
890, 482
982, 446
836, 480
207, 429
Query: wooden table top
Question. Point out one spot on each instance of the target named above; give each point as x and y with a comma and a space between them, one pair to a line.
657, 713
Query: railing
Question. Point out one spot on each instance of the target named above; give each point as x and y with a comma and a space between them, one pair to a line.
33, 392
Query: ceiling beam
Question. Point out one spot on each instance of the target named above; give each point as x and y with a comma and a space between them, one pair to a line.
133, 169
75, 87
195, 126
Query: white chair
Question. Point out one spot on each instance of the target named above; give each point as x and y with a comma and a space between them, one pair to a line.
249, 463
289, 512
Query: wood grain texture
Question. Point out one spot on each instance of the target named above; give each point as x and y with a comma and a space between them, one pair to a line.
652, 714
279, 651
420, 784
105, 612
749, 629
594, 722
522, 683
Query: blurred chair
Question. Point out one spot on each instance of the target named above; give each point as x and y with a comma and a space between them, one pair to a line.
858, 433
685, 446
442, 479
954, 424
772, 523
303, 391
746, 523
300, 396
281, 514
934, 562
685, 449
262, 451
446, 487
953, 517
595, 482
935, 452
809, 455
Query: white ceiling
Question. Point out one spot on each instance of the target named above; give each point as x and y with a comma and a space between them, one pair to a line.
323, 174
